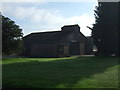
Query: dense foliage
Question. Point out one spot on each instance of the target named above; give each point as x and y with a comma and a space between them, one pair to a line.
105, 30
12, 43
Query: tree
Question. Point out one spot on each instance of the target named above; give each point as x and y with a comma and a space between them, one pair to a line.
11, 37
105, 30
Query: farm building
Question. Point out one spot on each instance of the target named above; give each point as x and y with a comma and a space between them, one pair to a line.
67, 42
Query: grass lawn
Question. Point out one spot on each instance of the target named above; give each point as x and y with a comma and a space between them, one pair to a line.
70, 72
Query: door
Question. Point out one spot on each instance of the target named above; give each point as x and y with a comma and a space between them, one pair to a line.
66, 50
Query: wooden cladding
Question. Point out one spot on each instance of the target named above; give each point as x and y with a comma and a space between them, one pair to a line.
56, 50
82, 48
66, 50
44, 50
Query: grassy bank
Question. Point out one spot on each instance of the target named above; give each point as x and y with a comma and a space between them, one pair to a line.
71, 72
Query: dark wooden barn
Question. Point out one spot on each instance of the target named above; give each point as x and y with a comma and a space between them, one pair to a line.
67, 42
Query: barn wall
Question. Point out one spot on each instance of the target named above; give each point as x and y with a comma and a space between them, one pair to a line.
82, 48
63, 50
74, 49
27, 44
44, 50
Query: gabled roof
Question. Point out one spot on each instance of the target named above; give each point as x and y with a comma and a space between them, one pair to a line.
54, 36
69, 34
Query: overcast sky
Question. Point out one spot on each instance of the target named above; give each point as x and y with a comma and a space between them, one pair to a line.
50, 16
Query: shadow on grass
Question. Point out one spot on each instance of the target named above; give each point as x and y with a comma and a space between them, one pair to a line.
51, 74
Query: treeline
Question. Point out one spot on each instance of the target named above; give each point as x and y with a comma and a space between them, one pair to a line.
106, 30
12, 43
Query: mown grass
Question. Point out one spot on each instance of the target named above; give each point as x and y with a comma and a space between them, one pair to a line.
71, 72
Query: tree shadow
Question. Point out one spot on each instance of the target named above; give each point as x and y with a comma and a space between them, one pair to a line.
50, 74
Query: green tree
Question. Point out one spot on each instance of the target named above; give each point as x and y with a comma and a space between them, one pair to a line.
105, 30
11, 37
